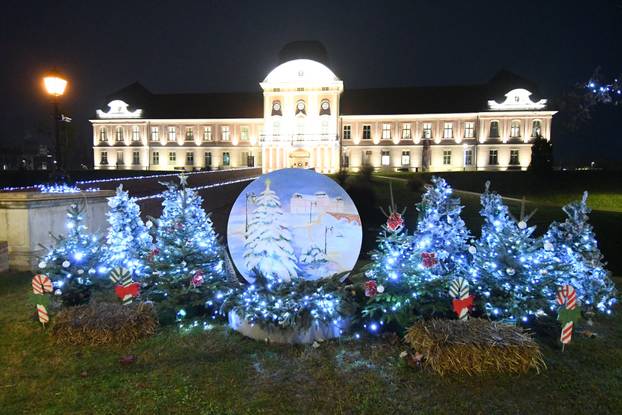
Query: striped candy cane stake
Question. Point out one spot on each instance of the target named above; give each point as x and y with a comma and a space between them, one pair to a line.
567, 297
41, 284
459, 290
42, 312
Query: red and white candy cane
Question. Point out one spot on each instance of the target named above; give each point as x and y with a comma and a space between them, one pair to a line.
42, 312
41, 284
567, 296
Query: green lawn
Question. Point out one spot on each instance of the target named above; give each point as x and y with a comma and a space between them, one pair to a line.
219, 371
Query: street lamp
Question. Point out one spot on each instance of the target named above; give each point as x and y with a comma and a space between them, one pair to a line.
55, 86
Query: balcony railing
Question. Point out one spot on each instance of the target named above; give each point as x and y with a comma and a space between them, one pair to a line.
298, 139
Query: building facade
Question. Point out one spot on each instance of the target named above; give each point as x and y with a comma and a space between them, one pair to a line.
304, 118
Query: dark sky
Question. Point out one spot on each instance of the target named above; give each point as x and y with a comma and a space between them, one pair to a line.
203, 46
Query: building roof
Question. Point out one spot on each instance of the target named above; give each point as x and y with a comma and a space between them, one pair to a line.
431, 99
371, 101
301, 71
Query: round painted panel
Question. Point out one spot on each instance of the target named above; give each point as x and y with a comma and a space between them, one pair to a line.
294, 223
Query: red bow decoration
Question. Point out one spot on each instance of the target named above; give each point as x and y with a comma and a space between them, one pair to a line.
152, 254
429, 259
460, 305
132, 289
394, 221
371, 288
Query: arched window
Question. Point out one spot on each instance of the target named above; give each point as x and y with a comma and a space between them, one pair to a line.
301, 108
276, 108
325, 107
536, 128
494, 129
515, 129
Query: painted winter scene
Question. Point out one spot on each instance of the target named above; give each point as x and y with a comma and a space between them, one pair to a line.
294, 224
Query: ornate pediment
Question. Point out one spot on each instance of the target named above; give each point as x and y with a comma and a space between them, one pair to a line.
118, 109
517, 99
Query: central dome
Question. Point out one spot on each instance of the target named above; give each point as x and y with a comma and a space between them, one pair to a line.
301, 71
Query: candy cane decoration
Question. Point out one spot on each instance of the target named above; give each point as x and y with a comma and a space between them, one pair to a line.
567, 296
126, 289
462, 301
41, 284
42, 312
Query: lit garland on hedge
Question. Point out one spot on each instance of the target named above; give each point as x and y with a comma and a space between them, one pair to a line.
573, 250
74, 259
293, 305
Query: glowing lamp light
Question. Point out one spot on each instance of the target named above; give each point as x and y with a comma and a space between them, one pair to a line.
54, 84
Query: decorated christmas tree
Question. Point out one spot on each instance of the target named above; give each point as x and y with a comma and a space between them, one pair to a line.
74, 259
129, 241
441, 234
187, 260
505, 270
268, 250
571, 250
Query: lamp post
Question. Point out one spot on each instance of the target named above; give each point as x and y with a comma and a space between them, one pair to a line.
55, 85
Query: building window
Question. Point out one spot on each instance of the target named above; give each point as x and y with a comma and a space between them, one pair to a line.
225, 133
406, 133
172, 134
155, 134
120, 161
324, 107
189, 158
494, 129
155, 158
493, 159
448, 130
514, 158
102, 134
135, 133
446, 157
468, 157
469, 129
346, 160
189, 134
226, 159
104, 158
119, 133
515, 129
386, 131
427, 130
347, 132
207, 133
208, 159
244, 134
172, 157
385, 158
367, 132
536, 128
405, 158
135, 157
367, 157
301, 107
276, 128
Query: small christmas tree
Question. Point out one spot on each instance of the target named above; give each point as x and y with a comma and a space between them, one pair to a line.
571, 246
505, 267
129, 241
74, 259
441, 233
268, 249
189, 273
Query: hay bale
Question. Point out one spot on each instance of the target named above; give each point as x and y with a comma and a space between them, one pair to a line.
104, 323
474, 346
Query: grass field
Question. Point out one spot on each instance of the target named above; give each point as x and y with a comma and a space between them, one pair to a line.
220, 372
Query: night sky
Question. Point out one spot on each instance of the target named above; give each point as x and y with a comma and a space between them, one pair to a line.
211, 46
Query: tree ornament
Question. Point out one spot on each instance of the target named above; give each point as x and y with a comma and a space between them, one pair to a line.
548, 246
66, 264
371, 288
472, 250
429, 259
394, 221
380, 289
510, 271
197, 279
522, 225
42, 264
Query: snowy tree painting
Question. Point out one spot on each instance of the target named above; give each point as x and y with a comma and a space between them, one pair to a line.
294, 224
268, 247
